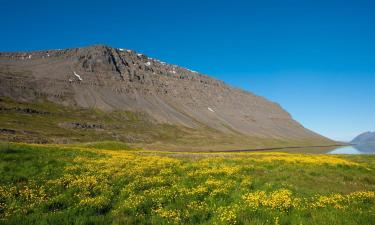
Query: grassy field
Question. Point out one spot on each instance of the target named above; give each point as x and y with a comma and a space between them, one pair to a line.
46, 122
111, 183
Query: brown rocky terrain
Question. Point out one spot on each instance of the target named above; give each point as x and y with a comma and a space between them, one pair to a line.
111, 79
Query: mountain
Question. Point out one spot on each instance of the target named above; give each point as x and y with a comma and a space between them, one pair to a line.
131, 97
364, 138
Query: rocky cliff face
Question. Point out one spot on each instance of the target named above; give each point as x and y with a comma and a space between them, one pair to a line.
118, 79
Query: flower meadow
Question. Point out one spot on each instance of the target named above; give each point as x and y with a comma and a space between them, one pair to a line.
85, 184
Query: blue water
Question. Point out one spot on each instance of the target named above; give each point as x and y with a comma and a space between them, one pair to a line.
355, 149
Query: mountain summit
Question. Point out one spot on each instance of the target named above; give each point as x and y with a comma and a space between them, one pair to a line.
113, 79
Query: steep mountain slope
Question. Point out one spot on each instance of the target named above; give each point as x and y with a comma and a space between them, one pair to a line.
110, 80
364, 138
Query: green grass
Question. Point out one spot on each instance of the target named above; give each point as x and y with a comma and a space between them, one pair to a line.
52, 123
99, 183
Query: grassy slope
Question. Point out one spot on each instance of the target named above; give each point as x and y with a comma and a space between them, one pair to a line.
51, 123
88, 184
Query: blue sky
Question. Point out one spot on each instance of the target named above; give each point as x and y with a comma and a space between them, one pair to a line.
315, 58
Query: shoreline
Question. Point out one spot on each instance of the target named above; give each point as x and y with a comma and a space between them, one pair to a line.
273, 148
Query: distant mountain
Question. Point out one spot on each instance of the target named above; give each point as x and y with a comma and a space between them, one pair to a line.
364, 138
114, 80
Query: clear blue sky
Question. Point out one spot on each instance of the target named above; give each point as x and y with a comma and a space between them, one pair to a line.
315, 58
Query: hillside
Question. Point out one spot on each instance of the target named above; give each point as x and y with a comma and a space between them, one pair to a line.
106, 93
364, 138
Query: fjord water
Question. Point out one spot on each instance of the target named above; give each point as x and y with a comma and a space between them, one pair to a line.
350, 149
354, 149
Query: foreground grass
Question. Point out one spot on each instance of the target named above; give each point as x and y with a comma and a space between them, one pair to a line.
108, 183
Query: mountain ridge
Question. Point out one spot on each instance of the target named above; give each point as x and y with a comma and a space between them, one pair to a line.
364, 138
111, 79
